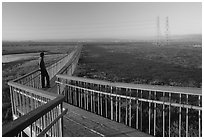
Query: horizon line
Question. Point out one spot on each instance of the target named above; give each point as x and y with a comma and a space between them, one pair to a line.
147, 38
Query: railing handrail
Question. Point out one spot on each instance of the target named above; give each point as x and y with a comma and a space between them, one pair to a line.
134, 98
13, 128
21, 77
61, 58
30, 73
33, 90
184, 90
68, 63
58, 61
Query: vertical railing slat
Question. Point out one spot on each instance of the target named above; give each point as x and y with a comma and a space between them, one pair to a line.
130, 108
137, 110
180, 115
163, 115
116, 105
169, 114
126, 108
111, 91
101, 100
187, 116
149, 112
155, 107
106, 102
98, 94
199, 118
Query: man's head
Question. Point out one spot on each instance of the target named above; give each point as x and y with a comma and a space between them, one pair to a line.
42, 54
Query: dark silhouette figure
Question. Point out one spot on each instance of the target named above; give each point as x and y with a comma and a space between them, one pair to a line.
44, 73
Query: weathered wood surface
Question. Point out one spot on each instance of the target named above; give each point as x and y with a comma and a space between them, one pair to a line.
81, 123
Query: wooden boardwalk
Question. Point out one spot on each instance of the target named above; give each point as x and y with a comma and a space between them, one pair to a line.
82, 123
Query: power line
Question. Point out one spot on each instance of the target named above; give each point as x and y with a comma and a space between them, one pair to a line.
167, 30
158, 31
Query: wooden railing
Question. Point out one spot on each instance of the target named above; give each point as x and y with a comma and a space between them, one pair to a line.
37, 112
43, 110
157, 110
69, 60
33, 78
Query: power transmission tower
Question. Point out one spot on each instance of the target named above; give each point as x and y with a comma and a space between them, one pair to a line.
167, 30
158, 32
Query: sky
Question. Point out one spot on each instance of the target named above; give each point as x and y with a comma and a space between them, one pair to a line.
61, 21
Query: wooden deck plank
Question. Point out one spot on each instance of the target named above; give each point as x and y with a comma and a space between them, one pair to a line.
72, 129
100, 125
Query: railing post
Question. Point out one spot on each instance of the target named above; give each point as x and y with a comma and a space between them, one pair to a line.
12, 101
75, 95
58, 86
61, 121
101, 100
137, 110
199, 118
33, 83
20, 100
91, 101
126, 108
81, 98
130, 109
141, 120
106, 105
169, 114
180, 115
155, 107
71, 94
23, 99
27, 102
163, 110
111, 103
149, 112
116, 105
187, 116
98, 101
87, 101
119, 108
68, 94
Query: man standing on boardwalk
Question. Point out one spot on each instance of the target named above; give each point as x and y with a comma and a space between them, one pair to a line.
44, 73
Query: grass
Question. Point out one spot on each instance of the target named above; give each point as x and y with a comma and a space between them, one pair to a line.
142, 64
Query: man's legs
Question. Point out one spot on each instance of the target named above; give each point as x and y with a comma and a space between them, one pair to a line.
47, 79
43, 80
